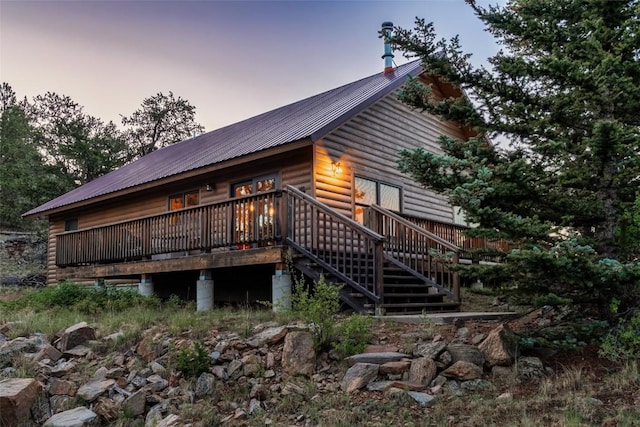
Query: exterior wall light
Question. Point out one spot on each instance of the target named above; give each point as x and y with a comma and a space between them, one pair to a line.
336, 167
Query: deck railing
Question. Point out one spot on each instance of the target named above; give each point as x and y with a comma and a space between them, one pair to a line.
424, 252
456, 234
236, 224
350, 251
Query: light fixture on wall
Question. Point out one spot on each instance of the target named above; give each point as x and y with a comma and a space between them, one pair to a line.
210, 187
336, 167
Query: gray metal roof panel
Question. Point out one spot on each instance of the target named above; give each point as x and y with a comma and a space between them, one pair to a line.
311, 117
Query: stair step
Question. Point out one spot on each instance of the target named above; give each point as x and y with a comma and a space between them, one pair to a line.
419, 304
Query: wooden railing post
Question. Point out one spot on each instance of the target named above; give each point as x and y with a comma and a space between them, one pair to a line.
378, 268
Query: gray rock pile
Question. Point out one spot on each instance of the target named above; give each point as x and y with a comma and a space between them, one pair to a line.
78, 381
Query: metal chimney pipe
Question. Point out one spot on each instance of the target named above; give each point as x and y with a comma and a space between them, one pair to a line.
387, 27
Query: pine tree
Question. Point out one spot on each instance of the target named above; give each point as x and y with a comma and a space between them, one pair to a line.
555, 163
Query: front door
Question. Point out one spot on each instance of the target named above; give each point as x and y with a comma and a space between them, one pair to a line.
254, 218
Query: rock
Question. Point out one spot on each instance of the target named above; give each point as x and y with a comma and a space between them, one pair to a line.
430, 350
423, 399
358, 376
407, 385
476, 385
91, 390
254, 407
463, 333
477, 339
259, 391
395, 368
62, 368
298, 354
376, 358
48, 351
463, 370
292, 388
77, 417
106, 408
149, 348
503, 373
77, 351
505, 396
169, 421
205, 385
465, 352
220, 372
10, 349
60, 403
154, 416
75, 335
499, 348
379, 348
380, 385
135, 404
423, 370
234, 369
530, 369
57, 386
17, 395
157, 383
444, 359
270, 336
158, 369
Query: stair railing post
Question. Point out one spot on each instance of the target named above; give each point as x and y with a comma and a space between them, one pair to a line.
456, 280
378, 267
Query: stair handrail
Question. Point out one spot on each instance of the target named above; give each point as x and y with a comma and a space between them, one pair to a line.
421, 262
344, 254
444, 242
354, 224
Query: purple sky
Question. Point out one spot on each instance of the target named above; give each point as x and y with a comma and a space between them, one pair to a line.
231, 59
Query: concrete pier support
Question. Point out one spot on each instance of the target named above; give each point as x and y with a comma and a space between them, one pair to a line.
204, 291
145, 287
281, 291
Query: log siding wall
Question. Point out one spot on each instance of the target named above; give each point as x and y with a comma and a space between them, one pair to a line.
368, 146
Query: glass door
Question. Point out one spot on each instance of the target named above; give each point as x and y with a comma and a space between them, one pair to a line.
254, 218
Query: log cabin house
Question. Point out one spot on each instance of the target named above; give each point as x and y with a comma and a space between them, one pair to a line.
219, 214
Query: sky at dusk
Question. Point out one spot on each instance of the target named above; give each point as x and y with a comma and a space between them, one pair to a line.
230, 59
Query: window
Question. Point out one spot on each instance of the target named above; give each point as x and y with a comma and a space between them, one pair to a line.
71, 224
254, 219
369, 192
184, 200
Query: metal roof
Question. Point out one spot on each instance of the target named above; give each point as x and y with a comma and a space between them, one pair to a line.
312, 118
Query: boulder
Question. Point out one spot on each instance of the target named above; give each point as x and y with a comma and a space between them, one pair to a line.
430, 350
423, 370
205, 385
358, 376
75, 335
91, 390
395, 368
270, 336
423, 399
499, 348
135, 404
77, 417
463, 370
530, 369
467, 353
376, 358
57, 386
298, 354
17, 395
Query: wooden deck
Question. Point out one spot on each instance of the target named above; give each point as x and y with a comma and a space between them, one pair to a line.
392, 263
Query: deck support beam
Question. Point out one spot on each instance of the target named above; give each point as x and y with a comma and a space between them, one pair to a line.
281, 290
145, 287
204, 291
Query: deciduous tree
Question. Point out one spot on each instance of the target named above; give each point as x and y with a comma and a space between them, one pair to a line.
162, 120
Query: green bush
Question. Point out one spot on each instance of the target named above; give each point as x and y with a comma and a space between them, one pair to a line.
320, 308
623, 341
353, 333
193, 361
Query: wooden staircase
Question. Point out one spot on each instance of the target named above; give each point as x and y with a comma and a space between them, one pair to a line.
379, 273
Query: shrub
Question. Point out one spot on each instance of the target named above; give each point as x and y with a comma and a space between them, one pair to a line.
320, 308
354, 333
193, 361
623, 341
